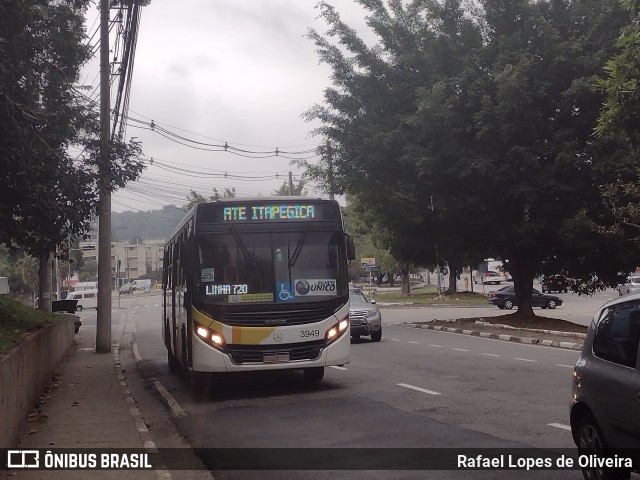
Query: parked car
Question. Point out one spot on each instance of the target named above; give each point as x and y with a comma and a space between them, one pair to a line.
554, 283
632, 285
605, 413
364, 316
506, 298
126, 289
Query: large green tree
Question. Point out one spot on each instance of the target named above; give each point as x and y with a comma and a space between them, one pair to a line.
472, 131
46, 195
620, 117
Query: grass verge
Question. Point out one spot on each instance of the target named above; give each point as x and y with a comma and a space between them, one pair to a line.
429, 296
17, 319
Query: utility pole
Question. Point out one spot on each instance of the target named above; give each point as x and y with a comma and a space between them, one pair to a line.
290, 183
330, 170
103, 326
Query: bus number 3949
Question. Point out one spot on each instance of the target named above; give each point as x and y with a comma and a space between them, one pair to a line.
309, 333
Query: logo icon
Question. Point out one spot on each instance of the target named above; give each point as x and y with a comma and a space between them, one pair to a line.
23, 459
302, 287
277, 336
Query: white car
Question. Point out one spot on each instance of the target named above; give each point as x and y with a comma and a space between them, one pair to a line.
631, 286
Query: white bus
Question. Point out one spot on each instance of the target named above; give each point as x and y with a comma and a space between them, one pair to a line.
258, 284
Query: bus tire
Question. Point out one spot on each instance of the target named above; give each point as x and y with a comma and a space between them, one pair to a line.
174, 364
314, 374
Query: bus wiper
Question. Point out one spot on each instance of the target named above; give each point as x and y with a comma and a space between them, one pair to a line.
296, 252
242, 246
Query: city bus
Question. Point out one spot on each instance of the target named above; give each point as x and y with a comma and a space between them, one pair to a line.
257, 284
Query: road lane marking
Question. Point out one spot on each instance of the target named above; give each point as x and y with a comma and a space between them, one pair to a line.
437, 346
525, 360
560, 426
394, 339
415, 343
423, 390
561, 365
136, 352
337, 367
175, 407
460, 349
490, 354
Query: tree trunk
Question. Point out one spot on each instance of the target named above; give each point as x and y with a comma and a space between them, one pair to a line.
523, 272
391, 276
405, 284
44, 282
453, 280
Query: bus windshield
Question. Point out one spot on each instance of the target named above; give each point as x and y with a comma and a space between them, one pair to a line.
270, 267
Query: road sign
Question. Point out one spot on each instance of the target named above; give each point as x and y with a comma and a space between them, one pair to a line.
367, 261
372, 268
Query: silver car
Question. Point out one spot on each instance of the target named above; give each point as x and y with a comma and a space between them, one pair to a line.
364, 316
605, 406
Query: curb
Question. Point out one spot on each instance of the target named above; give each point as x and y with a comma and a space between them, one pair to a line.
496, 336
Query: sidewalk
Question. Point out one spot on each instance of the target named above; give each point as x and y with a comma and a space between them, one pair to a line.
85, 406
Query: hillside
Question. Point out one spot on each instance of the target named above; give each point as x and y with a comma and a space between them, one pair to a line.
150, 225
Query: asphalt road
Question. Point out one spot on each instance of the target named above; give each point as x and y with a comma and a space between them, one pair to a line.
416, 388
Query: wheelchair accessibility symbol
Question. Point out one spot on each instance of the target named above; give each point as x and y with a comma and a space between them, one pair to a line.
284, 293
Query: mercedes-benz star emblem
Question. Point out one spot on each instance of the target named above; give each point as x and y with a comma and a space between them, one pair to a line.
277, 336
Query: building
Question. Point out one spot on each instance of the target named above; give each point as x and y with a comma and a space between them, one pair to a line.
128, 261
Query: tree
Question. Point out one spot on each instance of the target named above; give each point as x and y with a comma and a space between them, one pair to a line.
296, 189
472, 132
619, 118
42, 113
194, 197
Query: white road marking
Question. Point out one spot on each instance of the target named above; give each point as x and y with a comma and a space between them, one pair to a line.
415, 343
460, 349
559, 425
491, 354
157, 305
526, 360
423, 390
337, 367
136, 352
437, 346
175, 407
561, 365
394, 339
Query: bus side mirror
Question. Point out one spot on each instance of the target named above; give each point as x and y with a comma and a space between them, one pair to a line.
351, 248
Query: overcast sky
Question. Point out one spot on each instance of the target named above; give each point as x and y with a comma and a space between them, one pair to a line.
236, 71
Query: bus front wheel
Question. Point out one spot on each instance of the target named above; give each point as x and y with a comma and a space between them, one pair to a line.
314, 374
174, 364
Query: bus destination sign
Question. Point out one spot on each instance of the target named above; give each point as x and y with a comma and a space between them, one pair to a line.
240, 213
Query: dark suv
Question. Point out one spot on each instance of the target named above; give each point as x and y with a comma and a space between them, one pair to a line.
605, 406
555, 283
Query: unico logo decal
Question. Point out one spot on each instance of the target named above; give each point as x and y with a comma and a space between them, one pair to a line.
316, 287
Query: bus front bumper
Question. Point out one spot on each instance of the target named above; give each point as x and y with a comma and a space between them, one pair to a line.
209, 359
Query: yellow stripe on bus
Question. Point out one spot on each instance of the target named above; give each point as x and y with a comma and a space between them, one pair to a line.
239, 335
250, 335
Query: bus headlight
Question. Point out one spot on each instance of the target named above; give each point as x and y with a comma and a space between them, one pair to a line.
212, 338
337, 330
